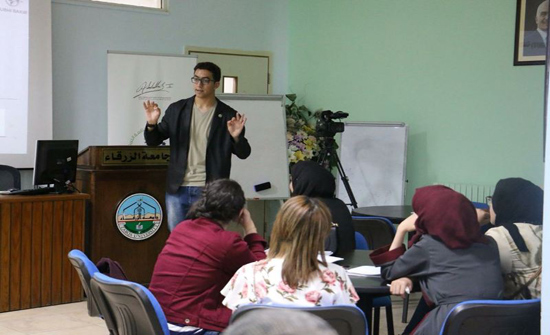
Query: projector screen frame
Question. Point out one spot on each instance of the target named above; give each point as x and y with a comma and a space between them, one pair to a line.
40, 115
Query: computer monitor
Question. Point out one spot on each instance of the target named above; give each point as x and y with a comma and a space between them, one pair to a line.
55, 162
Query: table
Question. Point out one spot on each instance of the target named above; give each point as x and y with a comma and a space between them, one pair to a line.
395, 214
36, 233
374, 286
367, 287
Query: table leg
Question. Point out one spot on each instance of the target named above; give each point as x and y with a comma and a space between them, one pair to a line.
365, 303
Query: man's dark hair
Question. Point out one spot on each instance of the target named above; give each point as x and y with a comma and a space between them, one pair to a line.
222, 200
213, 68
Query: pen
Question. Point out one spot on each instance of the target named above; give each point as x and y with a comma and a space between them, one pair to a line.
405, 304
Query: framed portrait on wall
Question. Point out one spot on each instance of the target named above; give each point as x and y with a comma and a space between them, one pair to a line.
531, 32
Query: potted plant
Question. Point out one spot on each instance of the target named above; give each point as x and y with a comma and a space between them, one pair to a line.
302, 142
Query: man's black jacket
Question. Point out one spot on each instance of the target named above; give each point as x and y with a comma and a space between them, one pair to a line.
175, 125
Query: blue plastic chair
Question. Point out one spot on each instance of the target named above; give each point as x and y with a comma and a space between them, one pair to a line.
133, 307
480, 317
345, 319
86, 269
480, 205
378, 231
360, 242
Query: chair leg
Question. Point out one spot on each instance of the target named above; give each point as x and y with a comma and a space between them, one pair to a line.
365, 303
389, 320
376, 321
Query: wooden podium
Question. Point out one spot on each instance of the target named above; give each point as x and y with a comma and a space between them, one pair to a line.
109, 174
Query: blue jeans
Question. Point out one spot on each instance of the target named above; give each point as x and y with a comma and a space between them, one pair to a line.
199, 332
179, 203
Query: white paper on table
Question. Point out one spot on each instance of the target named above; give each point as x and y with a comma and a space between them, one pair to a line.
330, 259
365, 270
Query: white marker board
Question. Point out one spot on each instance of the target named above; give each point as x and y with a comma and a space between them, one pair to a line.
133, 79
266, 133
374, 157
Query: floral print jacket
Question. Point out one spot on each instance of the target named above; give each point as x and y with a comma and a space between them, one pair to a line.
261, 283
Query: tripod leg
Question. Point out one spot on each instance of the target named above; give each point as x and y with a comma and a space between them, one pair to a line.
345, 180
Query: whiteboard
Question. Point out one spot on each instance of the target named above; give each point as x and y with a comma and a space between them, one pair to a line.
266, 133
135, 78
374, 157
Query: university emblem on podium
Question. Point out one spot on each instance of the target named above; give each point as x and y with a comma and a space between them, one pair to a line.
139, 216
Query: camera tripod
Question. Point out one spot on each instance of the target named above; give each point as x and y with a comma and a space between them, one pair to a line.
327, 151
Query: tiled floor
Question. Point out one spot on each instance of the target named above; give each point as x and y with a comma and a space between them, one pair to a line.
73, 319
68, 319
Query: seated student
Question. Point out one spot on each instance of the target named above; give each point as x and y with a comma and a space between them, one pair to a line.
516, 209
292, 274
200, 257
313, 180
279, 322
449, 256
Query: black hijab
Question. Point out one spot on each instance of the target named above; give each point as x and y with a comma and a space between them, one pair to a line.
517, 200
312, 180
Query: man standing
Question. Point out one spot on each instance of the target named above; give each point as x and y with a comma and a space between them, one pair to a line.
203, 133
534, 41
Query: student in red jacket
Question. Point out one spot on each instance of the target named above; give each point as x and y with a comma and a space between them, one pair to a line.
200, 257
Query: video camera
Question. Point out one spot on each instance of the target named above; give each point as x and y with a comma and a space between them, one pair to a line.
326, 127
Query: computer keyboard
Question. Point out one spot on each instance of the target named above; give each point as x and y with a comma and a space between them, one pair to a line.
30, 191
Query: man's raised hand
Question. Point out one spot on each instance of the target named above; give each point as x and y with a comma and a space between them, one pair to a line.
152, 112
235, 126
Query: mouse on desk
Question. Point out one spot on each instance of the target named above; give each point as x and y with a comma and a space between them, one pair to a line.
13, 189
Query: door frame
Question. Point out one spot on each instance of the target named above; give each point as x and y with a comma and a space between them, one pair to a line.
234, 52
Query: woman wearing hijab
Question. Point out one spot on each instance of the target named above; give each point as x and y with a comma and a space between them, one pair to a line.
449, 256
312, 180
516, 210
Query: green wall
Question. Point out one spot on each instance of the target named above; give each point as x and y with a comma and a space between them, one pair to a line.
443, 67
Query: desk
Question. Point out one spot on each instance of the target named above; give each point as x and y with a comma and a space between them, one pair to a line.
395, 214
36, 234
366, 287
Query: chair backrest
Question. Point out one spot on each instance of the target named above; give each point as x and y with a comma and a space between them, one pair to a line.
378, 231
482, 317
86, 270
10, 177
133, 307
360, 241
345, 319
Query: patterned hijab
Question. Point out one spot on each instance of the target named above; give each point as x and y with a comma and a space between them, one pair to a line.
312, 180
447, 216
517, 200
